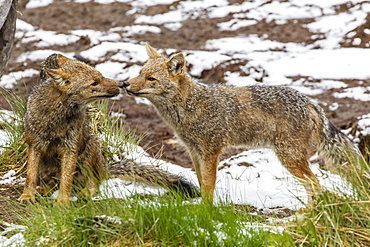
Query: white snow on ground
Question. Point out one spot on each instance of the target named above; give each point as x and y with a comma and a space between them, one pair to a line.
342, 63
204, 60
8, 81
263, 182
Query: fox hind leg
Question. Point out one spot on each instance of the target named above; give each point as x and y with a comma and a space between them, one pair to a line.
299, 168
68, 163
94, 167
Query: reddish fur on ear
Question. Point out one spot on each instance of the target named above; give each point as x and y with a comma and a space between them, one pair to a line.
62, 59
151, 52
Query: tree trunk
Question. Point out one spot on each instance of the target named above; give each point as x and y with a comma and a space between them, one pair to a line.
8, 17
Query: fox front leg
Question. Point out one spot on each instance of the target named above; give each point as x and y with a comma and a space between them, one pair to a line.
33, 163
206, 169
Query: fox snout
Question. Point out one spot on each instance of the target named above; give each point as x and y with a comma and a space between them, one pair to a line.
127, 85
124, 84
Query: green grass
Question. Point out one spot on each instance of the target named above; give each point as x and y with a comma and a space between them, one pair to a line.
13, 156
117, 140
333, 219
159, 221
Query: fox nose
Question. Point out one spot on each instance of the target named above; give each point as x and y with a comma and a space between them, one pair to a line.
124, 84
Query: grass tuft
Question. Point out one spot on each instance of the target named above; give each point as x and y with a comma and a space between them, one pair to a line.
137, 221
337, 219
13, 155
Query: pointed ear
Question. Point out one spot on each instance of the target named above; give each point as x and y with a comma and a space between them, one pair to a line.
62, 59
58, 76
176, 64
151, 52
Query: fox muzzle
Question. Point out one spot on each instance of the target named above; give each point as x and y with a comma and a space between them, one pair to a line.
123, 84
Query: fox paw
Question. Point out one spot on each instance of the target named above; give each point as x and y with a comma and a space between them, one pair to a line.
63, 201
26, 198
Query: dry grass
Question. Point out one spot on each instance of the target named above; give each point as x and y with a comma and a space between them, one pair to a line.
337, 219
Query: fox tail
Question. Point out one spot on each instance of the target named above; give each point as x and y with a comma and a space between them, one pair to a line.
337, 148
129, 170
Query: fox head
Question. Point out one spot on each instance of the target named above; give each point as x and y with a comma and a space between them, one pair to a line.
79, 81
160, 77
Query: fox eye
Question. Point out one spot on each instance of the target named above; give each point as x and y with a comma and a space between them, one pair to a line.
95, 83
151, 79
67, 82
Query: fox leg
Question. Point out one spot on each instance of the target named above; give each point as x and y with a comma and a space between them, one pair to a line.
208, 171
45, 190
299, 168
196, 161
95, 173
33, 163
93, 169
90, 189
68, 164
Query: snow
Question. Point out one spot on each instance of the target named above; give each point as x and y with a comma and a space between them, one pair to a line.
48, 38
14, 241
17, 239
313, 88
359, 93
37, 55
364, 125
280, 12
224, 10
8, 177
244, 45
263, 182
113, 70
38, 3
9, 80
342, 63
125, 51
204, 60
322, 65
22, 27
335, 27
184, 11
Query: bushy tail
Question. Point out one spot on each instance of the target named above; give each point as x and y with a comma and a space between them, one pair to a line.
129, 170
337, 150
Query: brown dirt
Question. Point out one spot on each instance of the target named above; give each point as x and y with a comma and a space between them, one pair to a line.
158, 137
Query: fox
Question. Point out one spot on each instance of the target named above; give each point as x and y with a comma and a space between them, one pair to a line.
61, 149
208, 119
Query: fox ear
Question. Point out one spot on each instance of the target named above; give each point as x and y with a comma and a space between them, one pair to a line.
62, 59
151, 52
176, 64
58, 76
